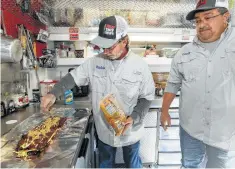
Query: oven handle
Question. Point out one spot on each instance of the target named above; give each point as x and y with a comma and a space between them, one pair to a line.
84, 146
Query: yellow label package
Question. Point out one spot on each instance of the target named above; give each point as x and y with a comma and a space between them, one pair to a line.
113, 113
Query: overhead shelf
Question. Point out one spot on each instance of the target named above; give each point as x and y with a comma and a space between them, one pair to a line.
161, 64
70, 61
182, 35
168, 35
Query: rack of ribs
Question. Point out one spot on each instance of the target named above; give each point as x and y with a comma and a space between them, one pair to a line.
34, 143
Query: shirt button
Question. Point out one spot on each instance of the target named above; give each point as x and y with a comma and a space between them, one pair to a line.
208, 108
209, 76
208, 92
209, 60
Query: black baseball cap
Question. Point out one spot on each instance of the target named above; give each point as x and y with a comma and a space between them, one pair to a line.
111, 29
205, 5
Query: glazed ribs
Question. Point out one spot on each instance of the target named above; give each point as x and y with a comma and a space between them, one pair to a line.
34, 143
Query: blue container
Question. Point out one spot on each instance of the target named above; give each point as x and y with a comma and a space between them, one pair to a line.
68, 97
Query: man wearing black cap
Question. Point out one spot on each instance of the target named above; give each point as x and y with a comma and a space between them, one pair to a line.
204, 71
118, 71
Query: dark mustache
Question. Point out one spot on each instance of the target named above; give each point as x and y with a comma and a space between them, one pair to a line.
204, 29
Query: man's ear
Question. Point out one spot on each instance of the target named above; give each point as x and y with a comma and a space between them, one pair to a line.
124, 41
227, 16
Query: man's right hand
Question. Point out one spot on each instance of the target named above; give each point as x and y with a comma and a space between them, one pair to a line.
47, 102
165, 120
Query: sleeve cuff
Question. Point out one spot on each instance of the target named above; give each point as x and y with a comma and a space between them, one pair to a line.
150, 98
172, 88
135, 117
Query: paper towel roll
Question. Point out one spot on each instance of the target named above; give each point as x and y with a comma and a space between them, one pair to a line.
11, 50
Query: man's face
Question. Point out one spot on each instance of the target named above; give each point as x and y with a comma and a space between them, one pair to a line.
210, 25
115, 51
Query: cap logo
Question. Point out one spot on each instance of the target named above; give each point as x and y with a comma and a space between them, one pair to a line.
109, 29
200, 3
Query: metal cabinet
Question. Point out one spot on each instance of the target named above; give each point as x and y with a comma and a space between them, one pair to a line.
169, 159
86, 155
170, 133
151, 119
148, 148
83, 160
169, 144
148, 143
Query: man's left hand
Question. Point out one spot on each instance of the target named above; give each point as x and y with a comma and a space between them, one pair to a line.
128, 123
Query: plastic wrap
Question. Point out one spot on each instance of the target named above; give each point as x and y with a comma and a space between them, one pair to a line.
60, 153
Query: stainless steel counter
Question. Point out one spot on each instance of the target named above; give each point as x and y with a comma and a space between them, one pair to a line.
19, 116
62, 153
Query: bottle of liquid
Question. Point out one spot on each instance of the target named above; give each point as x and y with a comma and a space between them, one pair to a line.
68, 97
11, 107
36, 95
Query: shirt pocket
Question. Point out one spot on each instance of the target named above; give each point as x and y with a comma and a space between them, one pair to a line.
189, 67
128, 89
130, 85
99, 81
229, 59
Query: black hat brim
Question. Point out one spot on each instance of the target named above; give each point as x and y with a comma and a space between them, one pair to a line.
191, 15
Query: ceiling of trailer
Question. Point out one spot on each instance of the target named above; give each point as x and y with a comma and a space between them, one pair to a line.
138, 13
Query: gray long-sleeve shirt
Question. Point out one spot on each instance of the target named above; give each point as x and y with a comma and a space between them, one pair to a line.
132, 84
207, 81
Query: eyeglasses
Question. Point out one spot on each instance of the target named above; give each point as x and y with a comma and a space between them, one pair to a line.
101, 50
206, 19
112, 47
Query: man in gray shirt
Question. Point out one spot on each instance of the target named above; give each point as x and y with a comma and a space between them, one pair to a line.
120, 72
204, 71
